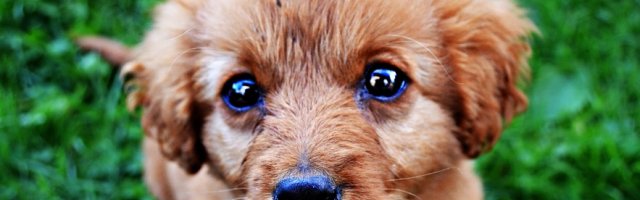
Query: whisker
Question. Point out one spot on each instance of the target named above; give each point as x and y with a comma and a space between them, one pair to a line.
432, 54
213, 192
405, 192
175, 59
161, 47
225, 190
239, 198
424, 175
182, 34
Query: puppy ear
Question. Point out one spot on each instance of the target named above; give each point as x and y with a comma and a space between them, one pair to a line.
161, 81
171, 115
485, 43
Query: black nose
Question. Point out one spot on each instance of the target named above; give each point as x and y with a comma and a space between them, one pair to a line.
309, 188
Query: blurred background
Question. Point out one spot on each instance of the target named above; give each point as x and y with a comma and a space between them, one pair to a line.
65, 133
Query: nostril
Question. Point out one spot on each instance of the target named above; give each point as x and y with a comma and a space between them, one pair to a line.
310, 188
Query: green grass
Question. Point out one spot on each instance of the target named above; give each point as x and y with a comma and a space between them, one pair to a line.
579, 138
64, 132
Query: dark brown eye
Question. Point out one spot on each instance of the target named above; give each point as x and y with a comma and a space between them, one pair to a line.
384, 81
241, 93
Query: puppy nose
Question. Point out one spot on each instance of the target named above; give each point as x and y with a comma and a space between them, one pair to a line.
310, 188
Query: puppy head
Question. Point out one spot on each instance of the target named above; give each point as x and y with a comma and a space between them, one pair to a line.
357, 94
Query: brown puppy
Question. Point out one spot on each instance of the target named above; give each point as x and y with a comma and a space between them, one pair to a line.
323, 99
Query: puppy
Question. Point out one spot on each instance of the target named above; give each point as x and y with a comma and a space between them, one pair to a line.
324, 99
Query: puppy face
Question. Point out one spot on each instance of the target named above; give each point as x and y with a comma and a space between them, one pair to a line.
363, 94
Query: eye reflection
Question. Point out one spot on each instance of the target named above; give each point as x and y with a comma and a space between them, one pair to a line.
241, 93
384, 81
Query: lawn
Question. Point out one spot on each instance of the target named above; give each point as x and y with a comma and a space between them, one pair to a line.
64, 132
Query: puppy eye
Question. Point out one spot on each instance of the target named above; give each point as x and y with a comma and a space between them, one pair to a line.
241, 93
384, 82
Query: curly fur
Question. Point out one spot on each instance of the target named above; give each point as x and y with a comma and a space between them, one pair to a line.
464, 58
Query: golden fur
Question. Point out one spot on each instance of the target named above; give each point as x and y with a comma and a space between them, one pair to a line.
463, 58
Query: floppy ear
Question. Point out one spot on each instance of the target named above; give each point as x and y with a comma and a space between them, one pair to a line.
485, 45
171, 116
161, 80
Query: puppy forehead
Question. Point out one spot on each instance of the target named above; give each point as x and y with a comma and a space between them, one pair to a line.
310, 39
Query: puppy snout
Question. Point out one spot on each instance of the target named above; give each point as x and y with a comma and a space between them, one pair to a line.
318, 187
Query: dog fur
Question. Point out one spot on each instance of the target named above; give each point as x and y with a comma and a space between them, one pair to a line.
463, 57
